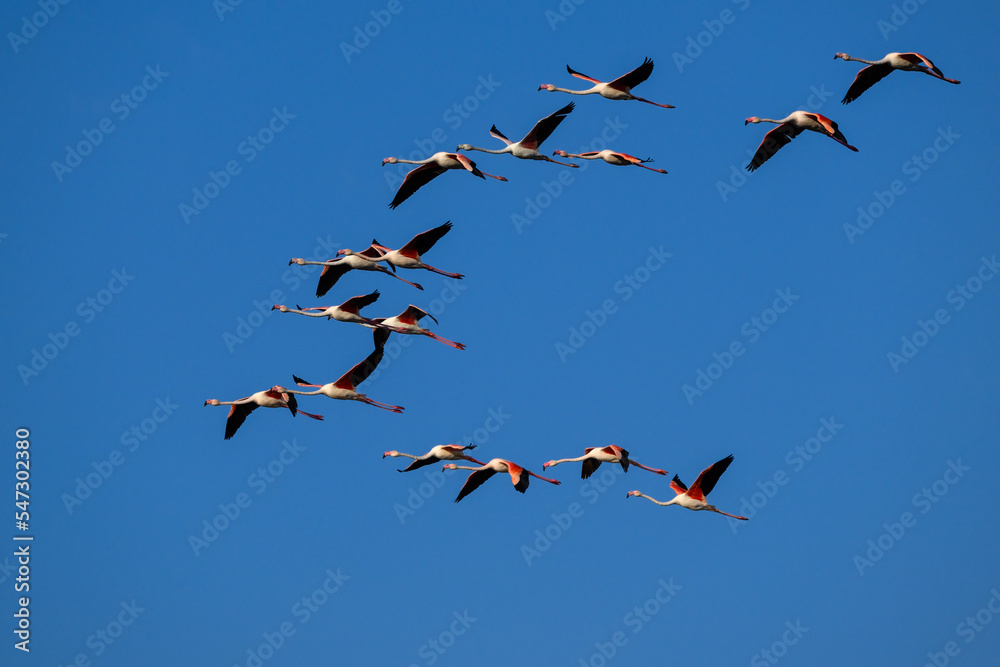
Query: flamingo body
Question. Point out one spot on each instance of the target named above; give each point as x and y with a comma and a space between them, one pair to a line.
612, 157
619, 89
789, 128
436, 454
275, 397
879, 69
519, 476
696, 497
430, 169
593, 457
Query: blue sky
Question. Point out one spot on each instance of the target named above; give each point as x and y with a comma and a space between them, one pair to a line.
830, 320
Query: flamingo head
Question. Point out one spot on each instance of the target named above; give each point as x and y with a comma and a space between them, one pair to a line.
561, 153
389, 160
212, 401
547, 86
632, 493
390, 453
344, 252
296, 260
278, 389
449, 466
464, 147
278, 306
751, 119
840, 55
547, 464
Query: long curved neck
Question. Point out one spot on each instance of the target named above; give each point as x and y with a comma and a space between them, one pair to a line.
557, 462
409, 456
302, 312
771, 120
589, 91
658, 502
329, 262
584, 157
462, 468
304, 393
402, 161
506, 149
860, 60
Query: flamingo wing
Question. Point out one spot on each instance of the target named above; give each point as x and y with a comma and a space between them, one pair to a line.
543, 128
865, 79
414, 315
361, 370
497, 134
678, 486
518, 476
710, 475
590, 466
330, 275
581, 76
380, 335
468, 164
772, 143
420, 463
356, 303
633, 78
424, 241
475, 480
237, 415
414, 180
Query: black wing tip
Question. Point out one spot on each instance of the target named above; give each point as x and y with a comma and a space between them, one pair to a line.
299, 380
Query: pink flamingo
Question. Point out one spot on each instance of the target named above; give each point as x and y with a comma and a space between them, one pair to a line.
789, 128
409, 256
275, 397
345, 312
334, 268
430, 169
619, 89
437, 453
518, 475
879, 69
696, 497
527, 148
406, 323
345, 388
612, 157
593, 457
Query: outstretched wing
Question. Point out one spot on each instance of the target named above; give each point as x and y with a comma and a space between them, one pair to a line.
420, 463
424, 241
633, 78
518, 476
865, 79
581, 76
590, 466
543, 128
475, 481
678, 486
352, 378
710, 475
773, 141
497, 134
356, 303
414, 180
412, 315
330, 275
237, 415
380, 335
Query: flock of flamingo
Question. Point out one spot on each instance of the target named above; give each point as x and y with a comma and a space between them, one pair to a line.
410, 256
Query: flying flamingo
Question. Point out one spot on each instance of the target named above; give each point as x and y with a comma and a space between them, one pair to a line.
696, 498
879, 69
619, 89
345, 388
406, 323
593, 457
409, 256
345, 312
789, 128
438, 453
518, 475
334, 268
430, 168
275, 397
527, 148
612, 157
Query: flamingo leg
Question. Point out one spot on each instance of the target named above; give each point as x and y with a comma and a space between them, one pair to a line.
457, 346
665, 106
732, 516
550, 481
499, 178
390, 273
659, 171
391, 408
639, 465
457, 276
565, 164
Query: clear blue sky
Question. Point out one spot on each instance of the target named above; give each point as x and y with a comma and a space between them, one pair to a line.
160, 165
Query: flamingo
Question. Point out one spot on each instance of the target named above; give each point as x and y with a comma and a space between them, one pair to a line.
789, 128
406, 323
430, 168
612, 157
593, 457
275, 397
345, 388
879, 69
345, 312
696, 497
409, 256
619, 89
518, 475
334, 268
527, 148
437, 453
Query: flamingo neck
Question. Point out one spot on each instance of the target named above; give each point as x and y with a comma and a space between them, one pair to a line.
860, 60
506, 149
